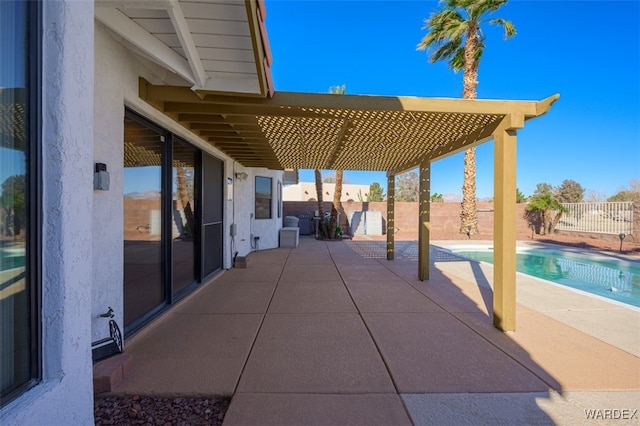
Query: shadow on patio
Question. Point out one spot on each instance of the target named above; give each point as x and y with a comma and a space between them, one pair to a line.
333, 333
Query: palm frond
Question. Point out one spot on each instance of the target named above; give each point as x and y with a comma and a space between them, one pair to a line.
447, 51
477, 55
478, 8
450, 27
443, 27
509, 28
456, 63
338, 90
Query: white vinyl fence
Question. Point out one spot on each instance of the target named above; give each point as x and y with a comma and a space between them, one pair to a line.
605, 218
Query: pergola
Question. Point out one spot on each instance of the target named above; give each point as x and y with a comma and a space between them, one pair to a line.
375, 133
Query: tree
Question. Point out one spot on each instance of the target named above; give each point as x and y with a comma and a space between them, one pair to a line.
625, 196
437, 198
520, 197
455, 35
184, 184
570, 191
543, 189
337, 193
407, 187
335, 207
629, 194
376, 193
321, 223
592, 196
543, 203
13, 203
329, 179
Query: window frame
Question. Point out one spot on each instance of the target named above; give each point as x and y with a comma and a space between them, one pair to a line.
261, 199
33, 156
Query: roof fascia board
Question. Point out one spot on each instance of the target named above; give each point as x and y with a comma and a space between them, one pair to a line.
181, 27
139, 37
258, 52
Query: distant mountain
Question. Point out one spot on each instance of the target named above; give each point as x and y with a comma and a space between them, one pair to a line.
143, 195
452, 198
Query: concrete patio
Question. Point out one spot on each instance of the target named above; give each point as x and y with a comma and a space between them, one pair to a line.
332, 333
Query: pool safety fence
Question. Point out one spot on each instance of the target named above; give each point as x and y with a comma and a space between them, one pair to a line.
605, 218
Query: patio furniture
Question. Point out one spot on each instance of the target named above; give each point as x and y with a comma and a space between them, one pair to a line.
289, 237
305, 223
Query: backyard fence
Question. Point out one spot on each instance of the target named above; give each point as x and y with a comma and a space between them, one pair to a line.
604, 218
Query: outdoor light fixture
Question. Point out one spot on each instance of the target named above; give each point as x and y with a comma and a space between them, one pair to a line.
621, 236
100, 177
241, 176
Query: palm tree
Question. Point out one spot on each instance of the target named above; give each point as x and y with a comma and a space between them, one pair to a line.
455, 35
321, 223
337, 193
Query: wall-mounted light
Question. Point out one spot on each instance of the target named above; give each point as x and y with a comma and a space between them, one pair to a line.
241, 176
101, 177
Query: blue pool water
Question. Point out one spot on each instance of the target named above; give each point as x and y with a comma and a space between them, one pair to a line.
11, 258
610, 278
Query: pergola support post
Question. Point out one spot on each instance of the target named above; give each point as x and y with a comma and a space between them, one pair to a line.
391, 181
504, 223
424, 223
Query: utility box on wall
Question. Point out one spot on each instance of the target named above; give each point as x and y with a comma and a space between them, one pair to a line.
289, 237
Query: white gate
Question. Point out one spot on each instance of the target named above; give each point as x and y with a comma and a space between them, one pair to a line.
604, 218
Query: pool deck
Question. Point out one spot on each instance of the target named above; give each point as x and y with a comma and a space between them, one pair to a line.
332, 333
610, 321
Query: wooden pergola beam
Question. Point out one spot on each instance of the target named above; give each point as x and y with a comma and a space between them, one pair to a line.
294, 100
504, 224
424, 222
391, 201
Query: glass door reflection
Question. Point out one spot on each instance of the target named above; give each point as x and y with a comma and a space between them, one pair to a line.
183, 206
143, 218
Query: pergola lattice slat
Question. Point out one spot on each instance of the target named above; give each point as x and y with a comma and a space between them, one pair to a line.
324, 131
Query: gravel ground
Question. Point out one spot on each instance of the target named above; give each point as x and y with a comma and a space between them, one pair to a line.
144, 410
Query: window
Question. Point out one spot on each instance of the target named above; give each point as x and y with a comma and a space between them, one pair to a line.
263, 197
19, 244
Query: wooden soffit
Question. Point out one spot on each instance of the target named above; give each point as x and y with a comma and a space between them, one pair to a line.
336, 132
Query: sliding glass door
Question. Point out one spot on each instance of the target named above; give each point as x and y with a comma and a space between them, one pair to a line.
184, 214
144, 283
172, 205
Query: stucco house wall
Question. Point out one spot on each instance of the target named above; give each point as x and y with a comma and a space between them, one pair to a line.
116, 86
89, 77
305, 191
65, 395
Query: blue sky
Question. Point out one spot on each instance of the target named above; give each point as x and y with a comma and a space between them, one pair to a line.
587, 51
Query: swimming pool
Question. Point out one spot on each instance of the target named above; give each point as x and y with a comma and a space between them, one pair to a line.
609, 277
11, 258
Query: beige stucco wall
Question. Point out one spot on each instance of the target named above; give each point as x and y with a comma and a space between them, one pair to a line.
305, 191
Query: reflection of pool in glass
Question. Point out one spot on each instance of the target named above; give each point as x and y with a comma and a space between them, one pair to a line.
11, 258
610, 278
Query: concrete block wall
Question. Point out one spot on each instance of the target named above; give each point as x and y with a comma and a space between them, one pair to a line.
445, 218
